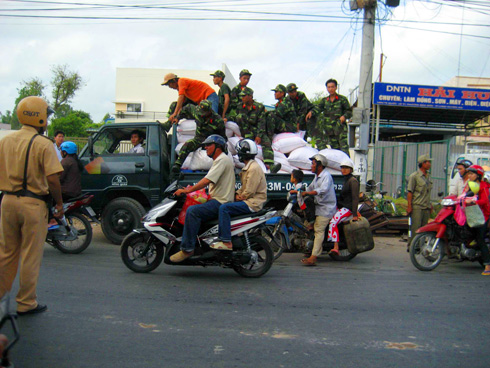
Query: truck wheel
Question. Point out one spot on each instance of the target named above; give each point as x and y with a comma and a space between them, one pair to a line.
120, 217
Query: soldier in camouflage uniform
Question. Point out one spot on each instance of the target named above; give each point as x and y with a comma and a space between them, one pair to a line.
207, 122
250, 116
171, 109
235, 99
302, 106
223, 94
335, 110
283, 118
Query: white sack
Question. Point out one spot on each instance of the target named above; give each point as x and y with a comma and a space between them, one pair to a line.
200, 160
334, 157
186, 127
229, 133
260, 155
233, 127
300, 157
287, 142
281, 158
262, 166
237, 162
232, 143
182, 138
178, 148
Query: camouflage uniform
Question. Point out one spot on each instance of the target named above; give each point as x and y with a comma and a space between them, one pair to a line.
235, 99
301, 106
205, 126
252, 125
168, 124
282, 119
334, 132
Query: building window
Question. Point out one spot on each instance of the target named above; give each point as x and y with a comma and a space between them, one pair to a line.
133, 107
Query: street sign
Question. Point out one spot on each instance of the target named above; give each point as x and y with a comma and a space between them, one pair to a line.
436, 97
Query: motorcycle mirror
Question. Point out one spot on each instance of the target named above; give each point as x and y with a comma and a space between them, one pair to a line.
440, 194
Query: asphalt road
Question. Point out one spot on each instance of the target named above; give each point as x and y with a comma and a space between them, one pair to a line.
375, 311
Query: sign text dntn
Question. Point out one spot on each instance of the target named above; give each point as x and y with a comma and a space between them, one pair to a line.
436, 97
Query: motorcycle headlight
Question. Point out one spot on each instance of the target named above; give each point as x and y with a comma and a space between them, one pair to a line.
448, 202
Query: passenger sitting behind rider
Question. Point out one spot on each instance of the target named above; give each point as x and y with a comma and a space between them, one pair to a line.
221, 181
249, 198
322, 208
346, 205
475, 173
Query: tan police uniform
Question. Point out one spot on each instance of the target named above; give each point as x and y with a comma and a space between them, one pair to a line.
23, 221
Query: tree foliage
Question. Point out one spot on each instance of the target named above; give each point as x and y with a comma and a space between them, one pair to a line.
65, 83
75, 124
31, 87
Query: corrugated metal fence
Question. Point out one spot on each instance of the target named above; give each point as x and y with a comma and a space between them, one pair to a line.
393, 164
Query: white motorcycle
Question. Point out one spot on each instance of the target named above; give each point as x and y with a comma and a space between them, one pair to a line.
144, 249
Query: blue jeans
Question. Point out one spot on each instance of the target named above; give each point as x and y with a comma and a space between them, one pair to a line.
193, 218
213, 97
225, 212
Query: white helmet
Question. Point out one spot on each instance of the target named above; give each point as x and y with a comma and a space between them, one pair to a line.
347, 163
247, 148
321, 159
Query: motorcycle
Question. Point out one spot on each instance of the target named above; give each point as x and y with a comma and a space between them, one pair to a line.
289, 233
443, 235
7, 316
144, 249
74, 231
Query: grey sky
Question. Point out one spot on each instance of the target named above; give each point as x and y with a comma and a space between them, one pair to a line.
307, 53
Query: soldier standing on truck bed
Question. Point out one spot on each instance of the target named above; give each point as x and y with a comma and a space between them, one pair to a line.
302, 106
250, 116
235, 99
336, 110
208, 122
223, 94
283, 118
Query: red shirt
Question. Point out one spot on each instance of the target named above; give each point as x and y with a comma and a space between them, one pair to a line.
483, 200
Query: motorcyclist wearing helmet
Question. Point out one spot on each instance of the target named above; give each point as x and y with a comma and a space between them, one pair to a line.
71, 177
481, 198
346, 204
459, 181
207, 123
221, 181
251, 196
321, 204
30, 175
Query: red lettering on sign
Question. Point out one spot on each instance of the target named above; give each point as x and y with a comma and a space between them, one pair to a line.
425, 92
468, 95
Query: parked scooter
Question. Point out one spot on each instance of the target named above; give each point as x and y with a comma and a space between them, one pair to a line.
144, 249
6, 316
74, 232
289, 233
433, 240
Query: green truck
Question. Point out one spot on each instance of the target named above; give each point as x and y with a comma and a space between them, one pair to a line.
126, 185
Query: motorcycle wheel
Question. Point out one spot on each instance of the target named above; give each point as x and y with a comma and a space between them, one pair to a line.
81, 226
279, 245
265, 257
131, 253
344, 256
420, 251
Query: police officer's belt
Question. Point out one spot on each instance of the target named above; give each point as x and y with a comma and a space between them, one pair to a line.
24, 192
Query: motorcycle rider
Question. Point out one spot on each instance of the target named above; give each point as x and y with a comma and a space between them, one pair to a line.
221, 181
475, 173
71, 177
30, 173
249, 198
321, 207
347, 203
459, 181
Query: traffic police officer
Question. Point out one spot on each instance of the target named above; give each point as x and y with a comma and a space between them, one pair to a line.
30, 173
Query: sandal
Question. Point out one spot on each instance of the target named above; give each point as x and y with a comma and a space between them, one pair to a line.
334, 251
486, 273
308, 262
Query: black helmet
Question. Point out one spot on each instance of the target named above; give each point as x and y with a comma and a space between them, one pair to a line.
465, 163
216, 139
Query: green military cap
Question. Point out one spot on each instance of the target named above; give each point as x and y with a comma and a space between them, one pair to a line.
218, 73
246, 91
291, 87
204, 106
424, 158
279, 88
245, 72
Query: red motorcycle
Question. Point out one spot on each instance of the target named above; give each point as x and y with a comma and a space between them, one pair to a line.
441, 236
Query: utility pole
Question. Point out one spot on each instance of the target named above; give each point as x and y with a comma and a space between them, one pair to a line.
367, 55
